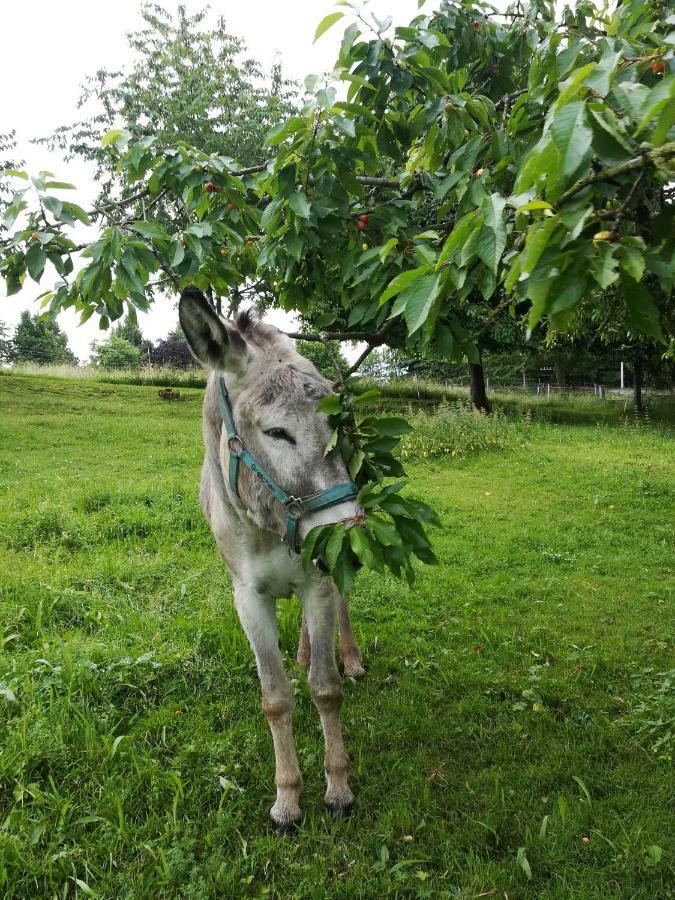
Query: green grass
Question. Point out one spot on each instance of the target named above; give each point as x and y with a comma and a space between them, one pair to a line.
520, 696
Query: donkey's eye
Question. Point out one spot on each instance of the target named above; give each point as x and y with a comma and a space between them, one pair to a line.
279, 434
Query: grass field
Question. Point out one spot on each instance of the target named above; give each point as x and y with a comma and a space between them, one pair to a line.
514, 733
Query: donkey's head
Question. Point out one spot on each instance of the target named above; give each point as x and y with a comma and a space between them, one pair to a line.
273, 392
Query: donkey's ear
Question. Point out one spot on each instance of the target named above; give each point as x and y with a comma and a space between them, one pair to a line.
215, 344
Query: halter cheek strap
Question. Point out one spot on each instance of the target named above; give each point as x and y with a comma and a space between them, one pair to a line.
296, 506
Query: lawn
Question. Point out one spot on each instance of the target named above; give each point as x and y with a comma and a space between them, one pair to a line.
514, 733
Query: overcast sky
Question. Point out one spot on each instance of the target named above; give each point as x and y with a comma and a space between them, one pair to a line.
50, 48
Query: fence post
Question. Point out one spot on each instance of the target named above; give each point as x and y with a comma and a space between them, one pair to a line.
622, 375
548, 393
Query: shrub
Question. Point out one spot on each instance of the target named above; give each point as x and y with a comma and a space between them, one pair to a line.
115, 354
457, 429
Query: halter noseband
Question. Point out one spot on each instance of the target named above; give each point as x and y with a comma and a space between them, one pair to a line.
295, 506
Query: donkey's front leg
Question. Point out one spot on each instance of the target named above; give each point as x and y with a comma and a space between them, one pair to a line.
258, 617
319, 605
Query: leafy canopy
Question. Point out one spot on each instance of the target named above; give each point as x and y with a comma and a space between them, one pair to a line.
471, 165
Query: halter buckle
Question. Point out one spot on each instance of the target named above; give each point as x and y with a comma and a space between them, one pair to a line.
295, 506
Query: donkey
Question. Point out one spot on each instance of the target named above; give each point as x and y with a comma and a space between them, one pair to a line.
265, 477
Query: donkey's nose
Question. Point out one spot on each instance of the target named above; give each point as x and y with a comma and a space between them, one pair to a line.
349, 512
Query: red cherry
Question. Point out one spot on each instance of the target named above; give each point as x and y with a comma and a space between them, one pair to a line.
210, 187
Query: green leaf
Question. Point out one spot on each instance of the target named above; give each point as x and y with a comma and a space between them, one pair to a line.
332, 442
447, 184
632, 261
365, 549
643, 314
150, 230
572, 136
568, 289
346, 126
396, 285
492, 237
330, 404
458, 236
334, 545
112, 137
300, 204
72, 209
658, 99
600, 78
522, 861
385, 249
343, 572
366, 396
534, 205
417, 300
356, 461
604, 266
664, 124
312, 542
538, 238
572, 85
326, 23
36, 259
291, 126
392, 426
384, 532
176, 253
54, 205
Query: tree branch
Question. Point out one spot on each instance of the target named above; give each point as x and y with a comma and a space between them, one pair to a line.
637, 162
350, 371
374, 338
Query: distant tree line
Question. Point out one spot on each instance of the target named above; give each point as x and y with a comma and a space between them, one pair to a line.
38, 340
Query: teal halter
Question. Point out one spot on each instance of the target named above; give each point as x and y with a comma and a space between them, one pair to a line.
296, 506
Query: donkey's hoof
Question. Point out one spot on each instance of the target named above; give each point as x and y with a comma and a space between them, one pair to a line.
285, 820
353, 667
341, 811
285, 828
340, 802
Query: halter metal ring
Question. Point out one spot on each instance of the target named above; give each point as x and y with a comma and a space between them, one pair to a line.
235, 440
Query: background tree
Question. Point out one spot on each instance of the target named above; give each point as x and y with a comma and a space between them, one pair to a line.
116, 353
190, 81
329, 360
172, 353
176, 333
8, 161
6, 345
130, 331
38, 339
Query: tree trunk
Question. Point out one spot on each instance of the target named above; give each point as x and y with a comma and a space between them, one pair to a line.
477, 386
638, 375
560, 373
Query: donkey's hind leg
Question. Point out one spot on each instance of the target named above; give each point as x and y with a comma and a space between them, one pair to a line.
304, 652
259, 619
319, 605
349, 649
350, 655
